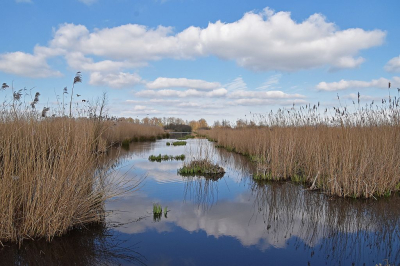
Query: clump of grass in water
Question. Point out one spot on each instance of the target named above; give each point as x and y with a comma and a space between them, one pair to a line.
157, 212
179, 143
160, 158
201, 167
168, 144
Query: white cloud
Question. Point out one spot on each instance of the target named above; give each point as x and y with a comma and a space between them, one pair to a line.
119, 80
77, 61
237, 84
263, 41
162, 83
264, 95
381, 83
273, 80
88, 2
273, 41
181, 94
258, 41
393, 65
139, 108
256, 101
28, 65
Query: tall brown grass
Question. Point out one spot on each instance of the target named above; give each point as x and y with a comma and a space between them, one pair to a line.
49, 179
348, 154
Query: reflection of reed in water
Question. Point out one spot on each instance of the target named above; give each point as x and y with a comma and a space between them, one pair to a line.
344, 229
234, 163
202, 191
80, 247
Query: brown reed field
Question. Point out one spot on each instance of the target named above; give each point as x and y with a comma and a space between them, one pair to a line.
50, 181
344, 153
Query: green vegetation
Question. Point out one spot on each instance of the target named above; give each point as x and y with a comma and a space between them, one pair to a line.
179, 143
157, 212
201, 167
160, 158
157, 209
168, 144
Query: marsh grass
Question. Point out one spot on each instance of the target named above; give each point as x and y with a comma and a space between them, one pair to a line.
347, 153
50, 177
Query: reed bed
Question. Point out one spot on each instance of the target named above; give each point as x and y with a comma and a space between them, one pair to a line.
118, 132
348, 154
49, 172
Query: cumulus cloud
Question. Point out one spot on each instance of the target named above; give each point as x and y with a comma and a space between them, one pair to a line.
181, 94
23, 64
393, 65
258, 41
381, 83
119, 80
162, 83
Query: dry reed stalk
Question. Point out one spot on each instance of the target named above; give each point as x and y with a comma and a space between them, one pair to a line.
48, 178
352, 161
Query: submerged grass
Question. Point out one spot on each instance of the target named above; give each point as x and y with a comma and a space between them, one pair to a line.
160, 158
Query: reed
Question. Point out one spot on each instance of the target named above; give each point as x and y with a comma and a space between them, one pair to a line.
50, 178
348, 154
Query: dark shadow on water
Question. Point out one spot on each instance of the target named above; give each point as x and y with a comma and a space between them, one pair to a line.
95, 245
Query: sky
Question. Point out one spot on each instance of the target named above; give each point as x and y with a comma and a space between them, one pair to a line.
201, 59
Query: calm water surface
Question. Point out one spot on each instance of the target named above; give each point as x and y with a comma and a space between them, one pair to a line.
229, 221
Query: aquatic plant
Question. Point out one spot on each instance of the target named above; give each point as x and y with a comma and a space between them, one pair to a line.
157, 209
179, 143
202, 167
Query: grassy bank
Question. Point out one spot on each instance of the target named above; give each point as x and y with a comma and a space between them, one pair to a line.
348, 154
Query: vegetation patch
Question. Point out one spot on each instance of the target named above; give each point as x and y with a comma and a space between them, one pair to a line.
203, 167
160, 158
179, 143
158, 211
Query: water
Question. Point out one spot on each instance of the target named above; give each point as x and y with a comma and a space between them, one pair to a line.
229, 221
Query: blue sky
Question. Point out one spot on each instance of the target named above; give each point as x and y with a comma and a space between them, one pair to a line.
202, 59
